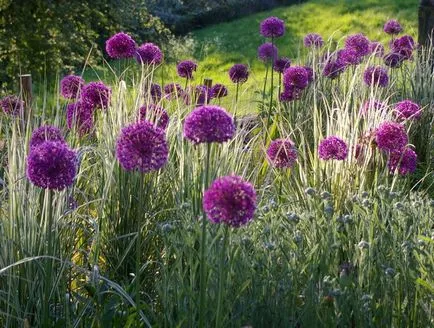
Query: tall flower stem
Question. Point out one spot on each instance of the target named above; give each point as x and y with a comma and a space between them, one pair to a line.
271, 89
203, 246
265, 84
222, 277
236, 102
49, 265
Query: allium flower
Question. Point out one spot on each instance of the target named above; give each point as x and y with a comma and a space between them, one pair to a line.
392, 27
208, 124
52, 165
349, 56
282, 153
173, 90
149, 54
391, 136
272, 27
370, 105
407, 109
333, 148
230, 200
376, 75
12, 105
142, 146
70, 86
281, 64
359, 42
404, 161
290, 93
154, 91
120, 45
79, 115
239, 73
267, 51
45, 133
97, 94
404, 42
154, 113
333, 68
296, 76
219, 91
186, 69
393, 59
313, 40
376, 48
202, 95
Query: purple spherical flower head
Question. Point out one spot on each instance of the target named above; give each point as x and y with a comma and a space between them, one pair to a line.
404, 42
154, 113
370, 105
12, 105
408, 109
186, 69
290, 93
376, 48
120, 45
349, 56
404, 161
393, 59
52, 165
267, 51
296, 76
153, 91
313, 40
230, 200
391, 136
202, 95
333, 148
239, 73
376, 75
359, 42
80, 116
97, 94
45, 133
208, 124
219, 91
392, 27
281, 64
142, 146
333, 68
173, 90
149, 54
272, 27
70, 86
282, 153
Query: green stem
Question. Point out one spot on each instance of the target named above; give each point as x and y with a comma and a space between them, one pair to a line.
271, 89
203, 247
49, 265
139, 240
265, 85
221, 279
236, 103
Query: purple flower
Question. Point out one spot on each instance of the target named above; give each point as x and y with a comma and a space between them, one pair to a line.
154, 91
360, 43
79, 115
290, 93
282, 153
52, 165
349, 56
208, 124
393, 59
309, 71
376, 48
272, 27
372, 104
97, 94
230, 200
202, 95
391, 136
404, 42
142, 146
120, 45
281, 64
392, 27
239, 73
173, 90
313, 40
333, 68
333, 148
154, 113
377, 76
149, 54
45, 133
267, 51
404, 161
407, 109
12, 105
296, 76
219, 91
70, 86
186, 68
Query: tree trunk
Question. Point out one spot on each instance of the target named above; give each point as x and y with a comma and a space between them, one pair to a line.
426, 22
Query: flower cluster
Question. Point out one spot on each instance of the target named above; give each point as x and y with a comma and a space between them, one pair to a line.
272, 27
153, 91
282, 153
186, 68
70, 86
173, 91
313, 40
239, 73
120, 45
79, 115
333, 148
281, 64
391, 136
96, 94
149, 54
12, 105
376, 75
219, 91
404, 161
267, 52
360, 43
392, 27
408, 109
154, 113
45, 133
